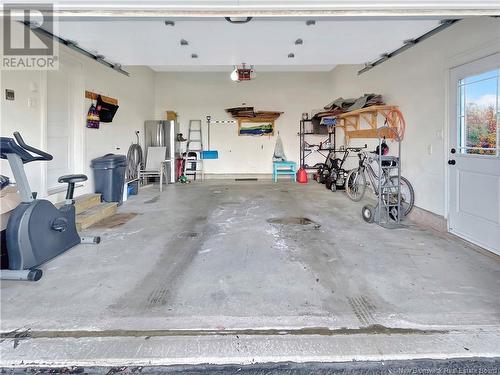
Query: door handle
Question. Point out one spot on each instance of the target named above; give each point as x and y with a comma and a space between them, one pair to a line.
452, 162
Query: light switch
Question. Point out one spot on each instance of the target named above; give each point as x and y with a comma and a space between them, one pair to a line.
429, 149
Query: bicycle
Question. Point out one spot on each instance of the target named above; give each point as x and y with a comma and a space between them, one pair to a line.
356, 183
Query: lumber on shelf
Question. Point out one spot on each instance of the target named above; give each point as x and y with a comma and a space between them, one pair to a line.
371, 133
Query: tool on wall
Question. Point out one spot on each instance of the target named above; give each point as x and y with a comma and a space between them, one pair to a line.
209, 154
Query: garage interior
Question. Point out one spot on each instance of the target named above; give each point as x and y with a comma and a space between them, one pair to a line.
222, 262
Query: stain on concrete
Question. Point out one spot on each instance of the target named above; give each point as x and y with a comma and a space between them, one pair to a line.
188, 235
157, 297
115, 221
291, 221
153, 200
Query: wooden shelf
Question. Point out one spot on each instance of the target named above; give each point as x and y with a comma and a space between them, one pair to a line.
370, 118
371, 133
93, 96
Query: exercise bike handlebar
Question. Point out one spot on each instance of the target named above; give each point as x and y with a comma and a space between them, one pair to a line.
42, 155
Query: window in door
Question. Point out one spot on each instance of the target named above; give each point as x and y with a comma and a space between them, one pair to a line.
478, 114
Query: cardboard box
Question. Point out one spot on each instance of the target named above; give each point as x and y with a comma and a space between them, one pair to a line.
171, 115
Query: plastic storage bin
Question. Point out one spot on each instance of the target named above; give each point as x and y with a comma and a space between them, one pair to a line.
109, 176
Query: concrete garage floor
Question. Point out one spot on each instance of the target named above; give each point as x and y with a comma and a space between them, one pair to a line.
217, 272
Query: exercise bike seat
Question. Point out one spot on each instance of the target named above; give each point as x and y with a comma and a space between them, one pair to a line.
72, 178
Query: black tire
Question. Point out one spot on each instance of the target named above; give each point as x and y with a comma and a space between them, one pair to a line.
407, 195
368, 213
355, 185
328, 183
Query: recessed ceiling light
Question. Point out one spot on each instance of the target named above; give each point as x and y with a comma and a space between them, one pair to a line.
194, 56
184, 42
238, 20
169, 23
299, 42
291, 55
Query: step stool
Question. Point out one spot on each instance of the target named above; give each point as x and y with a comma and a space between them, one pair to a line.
284, 167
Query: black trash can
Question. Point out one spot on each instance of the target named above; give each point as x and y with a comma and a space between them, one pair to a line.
109, 176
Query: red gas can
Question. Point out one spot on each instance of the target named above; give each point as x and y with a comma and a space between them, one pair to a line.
302, 176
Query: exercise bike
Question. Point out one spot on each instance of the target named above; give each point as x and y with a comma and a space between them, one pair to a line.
37, 231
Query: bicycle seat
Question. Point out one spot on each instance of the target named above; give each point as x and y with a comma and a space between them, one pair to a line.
72, 178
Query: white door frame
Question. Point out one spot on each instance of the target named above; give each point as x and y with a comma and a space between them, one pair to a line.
465, 57
77, 105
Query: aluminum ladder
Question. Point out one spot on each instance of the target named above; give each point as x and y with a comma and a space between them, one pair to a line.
194, 144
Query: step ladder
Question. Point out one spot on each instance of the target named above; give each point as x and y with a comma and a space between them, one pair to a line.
194, 145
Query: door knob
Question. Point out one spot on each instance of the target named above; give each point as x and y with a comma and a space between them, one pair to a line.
453, 150
452, 162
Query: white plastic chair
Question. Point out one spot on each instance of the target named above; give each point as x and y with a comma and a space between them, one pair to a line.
155, 166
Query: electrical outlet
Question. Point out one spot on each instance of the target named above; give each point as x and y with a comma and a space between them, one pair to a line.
31, 102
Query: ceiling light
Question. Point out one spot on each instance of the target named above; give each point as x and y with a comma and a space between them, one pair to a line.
194, 56
291, 55
299, 42
238, 20
169, 23
184, 42
310, 22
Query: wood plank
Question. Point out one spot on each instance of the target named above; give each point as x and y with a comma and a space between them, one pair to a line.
371, 133
93, 96
84, 202
373, 108
95, 214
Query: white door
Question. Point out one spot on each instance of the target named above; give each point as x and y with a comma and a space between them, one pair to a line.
474, 154
63, 119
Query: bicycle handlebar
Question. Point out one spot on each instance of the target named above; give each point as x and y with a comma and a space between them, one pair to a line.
42, 155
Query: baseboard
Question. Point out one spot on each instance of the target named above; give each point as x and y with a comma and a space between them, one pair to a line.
428, 219
232, 176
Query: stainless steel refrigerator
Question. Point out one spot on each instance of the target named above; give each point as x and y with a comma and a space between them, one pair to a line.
164, 133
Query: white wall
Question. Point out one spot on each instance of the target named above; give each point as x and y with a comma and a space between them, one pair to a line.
135, 96
196, 95
417, 81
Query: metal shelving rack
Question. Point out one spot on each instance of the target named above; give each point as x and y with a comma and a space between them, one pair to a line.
308, 149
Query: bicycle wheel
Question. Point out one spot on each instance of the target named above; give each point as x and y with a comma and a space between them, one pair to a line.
407, 194
355, 185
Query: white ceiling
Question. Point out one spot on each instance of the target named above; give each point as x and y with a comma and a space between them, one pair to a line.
265, 43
